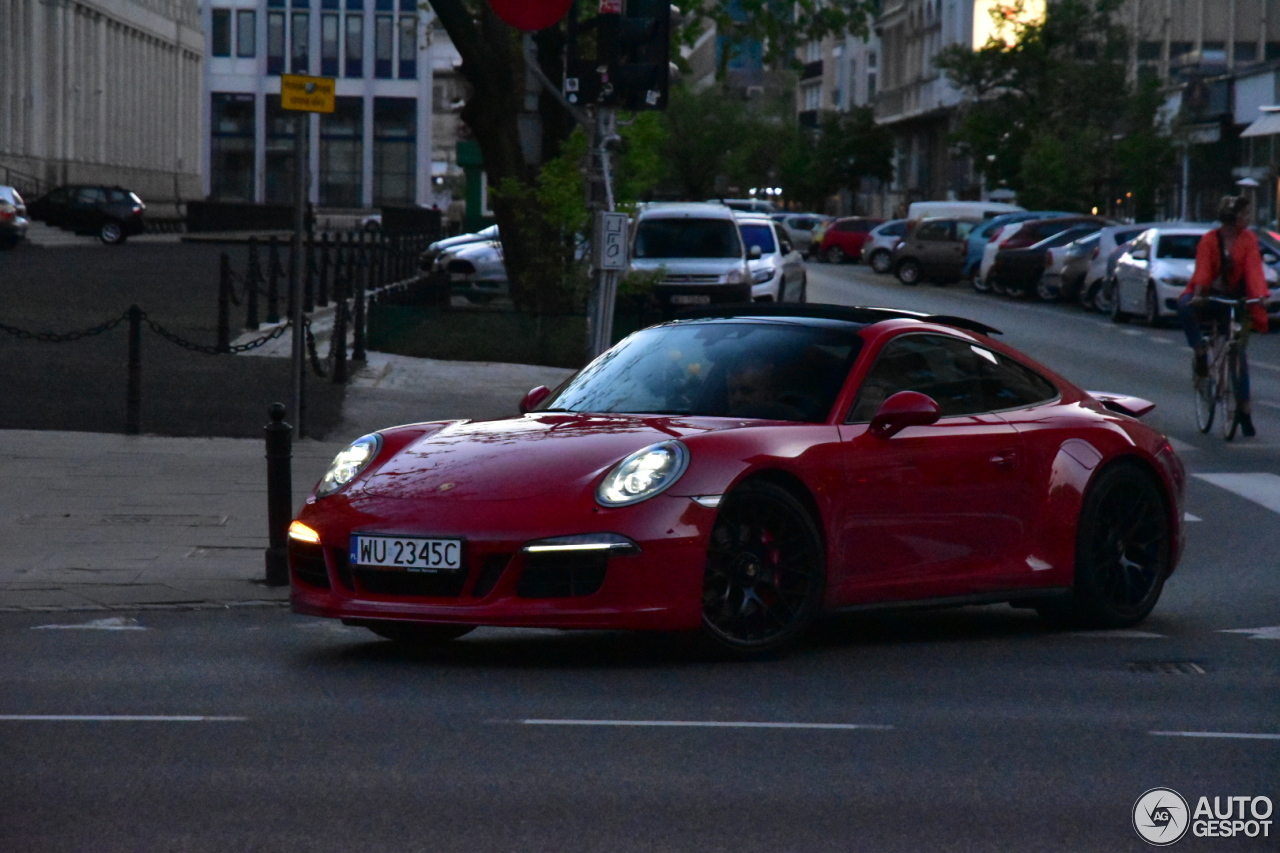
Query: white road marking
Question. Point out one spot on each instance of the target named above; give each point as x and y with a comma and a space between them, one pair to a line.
703, 724
1186, 516
115, 623
1119, 633
1269, 633
1240, 735
1263, 489
115, 718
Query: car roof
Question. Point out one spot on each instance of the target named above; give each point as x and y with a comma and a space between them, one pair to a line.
686, 210
859, 315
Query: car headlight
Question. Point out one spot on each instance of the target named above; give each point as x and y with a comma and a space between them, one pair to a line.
643, 474
734, 277
349, 463
763, 274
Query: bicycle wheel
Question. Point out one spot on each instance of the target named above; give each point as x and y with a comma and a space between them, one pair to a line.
1205, 390
1227, 393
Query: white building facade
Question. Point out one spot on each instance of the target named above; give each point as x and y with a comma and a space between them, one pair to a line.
374, 149
102, 91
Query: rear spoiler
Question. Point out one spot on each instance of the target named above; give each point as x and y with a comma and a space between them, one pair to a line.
1134, 407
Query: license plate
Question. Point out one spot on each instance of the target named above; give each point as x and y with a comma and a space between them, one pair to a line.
410, 553
691, 299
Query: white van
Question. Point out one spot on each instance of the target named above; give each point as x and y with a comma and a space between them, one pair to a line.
698, 251
960, 209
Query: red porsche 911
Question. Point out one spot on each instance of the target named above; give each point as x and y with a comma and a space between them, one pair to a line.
743, 470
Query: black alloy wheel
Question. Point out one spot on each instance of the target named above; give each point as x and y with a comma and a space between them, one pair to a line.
1122, 551
836, 255
1151, 307
414, 634
1046, 292
880, 261
980, 284
909, 271
111, 232
803, 295
1105, 295
766, 572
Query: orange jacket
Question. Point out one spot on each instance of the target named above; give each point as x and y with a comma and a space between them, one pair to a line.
1246, 264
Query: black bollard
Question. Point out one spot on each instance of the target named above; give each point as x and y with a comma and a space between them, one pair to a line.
279, 495
308, 285
357, 321
339, 375
224, 304
273, 280
133, 393
252, 275
322, 298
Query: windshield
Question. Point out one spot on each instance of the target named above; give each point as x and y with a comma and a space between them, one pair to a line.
1180, 247
778, 371
687, 238
758, 235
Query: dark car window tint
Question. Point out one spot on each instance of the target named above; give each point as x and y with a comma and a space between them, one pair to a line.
748, 370
945, 369
1178, 246
1009, 385
118, 197
687, 238
1126, 236
897, 229
759, 235
90, 195
934, 231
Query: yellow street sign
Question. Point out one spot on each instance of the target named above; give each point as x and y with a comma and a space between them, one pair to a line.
309, 94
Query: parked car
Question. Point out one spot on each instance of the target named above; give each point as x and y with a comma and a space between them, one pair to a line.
959, 209
1095, 292
877, 252
800, 228
1076, 260
114, 214
992, 228
475, 269
843, 239
427, 259
777, 269
1023, 271
13, 217
1152, 273
696, 252
742, 471
932, 250
1019, 235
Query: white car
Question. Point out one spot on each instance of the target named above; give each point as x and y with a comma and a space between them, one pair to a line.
877, 252
428, 256
777, 269
1153, 272
800, 227
476, 270
694, 253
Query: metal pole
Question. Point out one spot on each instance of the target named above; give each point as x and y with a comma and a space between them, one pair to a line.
133, 395
1186, 180
279, 495
295, 271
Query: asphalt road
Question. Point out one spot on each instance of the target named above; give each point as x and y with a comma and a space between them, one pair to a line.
975, 729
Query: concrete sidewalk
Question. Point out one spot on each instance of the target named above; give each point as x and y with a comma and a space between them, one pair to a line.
100, 521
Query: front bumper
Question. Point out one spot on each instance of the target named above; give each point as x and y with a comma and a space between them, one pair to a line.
659, 588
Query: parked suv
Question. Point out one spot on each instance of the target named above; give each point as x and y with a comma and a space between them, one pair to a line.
112, 213
697, 251
933, 250
13, 218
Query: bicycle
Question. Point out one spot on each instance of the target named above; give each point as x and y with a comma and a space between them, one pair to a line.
1216, 393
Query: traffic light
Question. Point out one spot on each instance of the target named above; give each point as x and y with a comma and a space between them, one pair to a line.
627, 66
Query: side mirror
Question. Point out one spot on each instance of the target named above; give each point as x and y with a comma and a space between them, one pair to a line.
754, 253
902, 410
533, 398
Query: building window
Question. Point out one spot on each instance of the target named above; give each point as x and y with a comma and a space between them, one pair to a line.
409, 6
329, 45
330, 4
382, 45
300, 63
813, 51
395, 122
355, 44
246, 33
1149, 51
221, 32
341, 134
1273, 50
231, 147
275, 42
1178, 49
871, 86
408, 47
281, 169
1246, 51
812, 96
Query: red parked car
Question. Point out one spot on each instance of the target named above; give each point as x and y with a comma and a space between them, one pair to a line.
843, 239
744, 470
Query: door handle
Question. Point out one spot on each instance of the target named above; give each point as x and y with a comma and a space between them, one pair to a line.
1005, 459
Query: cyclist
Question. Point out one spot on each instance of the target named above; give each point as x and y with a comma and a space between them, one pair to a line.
1228, 264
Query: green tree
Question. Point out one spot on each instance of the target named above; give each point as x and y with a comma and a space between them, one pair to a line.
497, 107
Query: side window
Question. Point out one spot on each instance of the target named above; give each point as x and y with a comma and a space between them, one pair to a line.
90, 195
945, 369
937, 230
963, 229
784, 244
1009, 385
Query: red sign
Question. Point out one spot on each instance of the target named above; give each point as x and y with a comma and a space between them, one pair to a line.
530, 15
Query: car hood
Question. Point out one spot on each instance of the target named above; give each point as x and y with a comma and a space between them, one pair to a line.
689, 266
520, 458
